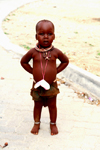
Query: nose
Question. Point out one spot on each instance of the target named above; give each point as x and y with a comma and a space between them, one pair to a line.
46, 36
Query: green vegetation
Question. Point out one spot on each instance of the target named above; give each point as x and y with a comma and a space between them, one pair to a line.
91, 45
26, 47
98, 52
6, 33
6, 19
76, 32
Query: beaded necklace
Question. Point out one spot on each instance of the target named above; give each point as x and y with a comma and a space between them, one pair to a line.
43, 49
45, 54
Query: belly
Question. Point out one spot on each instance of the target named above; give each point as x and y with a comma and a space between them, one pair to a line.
49, 74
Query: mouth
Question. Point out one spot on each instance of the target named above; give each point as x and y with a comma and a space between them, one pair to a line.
45, 42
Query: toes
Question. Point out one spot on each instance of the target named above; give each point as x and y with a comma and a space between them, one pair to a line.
36, 133
54, 133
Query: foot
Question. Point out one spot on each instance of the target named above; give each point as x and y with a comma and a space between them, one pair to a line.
35, 129
54, 129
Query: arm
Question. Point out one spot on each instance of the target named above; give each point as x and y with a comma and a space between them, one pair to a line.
25, 61
64, 61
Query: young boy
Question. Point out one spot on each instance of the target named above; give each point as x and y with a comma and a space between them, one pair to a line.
44, 71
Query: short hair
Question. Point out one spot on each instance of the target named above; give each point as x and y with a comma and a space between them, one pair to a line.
44, 21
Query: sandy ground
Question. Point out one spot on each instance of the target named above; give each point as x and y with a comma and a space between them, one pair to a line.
77, 28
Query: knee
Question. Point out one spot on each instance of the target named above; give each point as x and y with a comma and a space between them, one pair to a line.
52, 106
52, 103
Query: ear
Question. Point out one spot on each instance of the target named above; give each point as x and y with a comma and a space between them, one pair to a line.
36, 36
54, 37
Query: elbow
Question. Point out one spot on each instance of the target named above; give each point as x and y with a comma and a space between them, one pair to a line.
21, 62
68, 62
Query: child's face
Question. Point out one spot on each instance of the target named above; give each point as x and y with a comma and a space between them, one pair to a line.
45, 34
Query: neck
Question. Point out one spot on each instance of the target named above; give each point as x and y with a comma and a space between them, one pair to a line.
42, 49
39, 46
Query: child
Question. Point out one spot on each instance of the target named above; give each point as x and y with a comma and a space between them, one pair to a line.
44, 71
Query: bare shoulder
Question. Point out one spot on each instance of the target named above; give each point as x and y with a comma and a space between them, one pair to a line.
60, 55
58, 51
28, 55
31, 51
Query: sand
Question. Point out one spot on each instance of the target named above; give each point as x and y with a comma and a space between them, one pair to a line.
77, 29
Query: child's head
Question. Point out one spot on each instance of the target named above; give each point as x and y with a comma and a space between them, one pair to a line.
44, 21
45, 33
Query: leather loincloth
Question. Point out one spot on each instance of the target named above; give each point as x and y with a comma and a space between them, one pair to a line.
40, 94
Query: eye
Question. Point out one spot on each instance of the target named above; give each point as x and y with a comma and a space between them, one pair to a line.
41, 33
49, 33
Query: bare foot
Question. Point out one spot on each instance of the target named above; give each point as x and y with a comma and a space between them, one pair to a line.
54, 129
35, 129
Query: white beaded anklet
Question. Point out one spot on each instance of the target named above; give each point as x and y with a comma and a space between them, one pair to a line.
52, 123
37, 122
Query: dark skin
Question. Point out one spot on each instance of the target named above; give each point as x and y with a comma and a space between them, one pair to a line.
45, 36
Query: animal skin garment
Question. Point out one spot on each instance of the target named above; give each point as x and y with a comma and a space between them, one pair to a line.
43, 84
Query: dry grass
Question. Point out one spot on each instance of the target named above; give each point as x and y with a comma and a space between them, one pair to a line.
77, 25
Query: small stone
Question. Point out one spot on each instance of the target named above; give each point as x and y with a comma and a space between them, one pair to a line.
91, 99
2, 78
6, 143
85, 96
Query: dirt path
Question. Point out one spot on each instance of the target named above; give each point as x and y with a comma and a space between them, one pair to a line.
77, 26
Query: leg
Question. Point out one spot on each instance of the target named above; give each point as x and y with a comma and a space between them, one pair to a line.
37, 115
53, 115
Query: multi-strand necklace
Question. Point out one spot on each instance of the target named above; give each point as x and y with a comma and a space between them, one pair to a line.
45, 54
